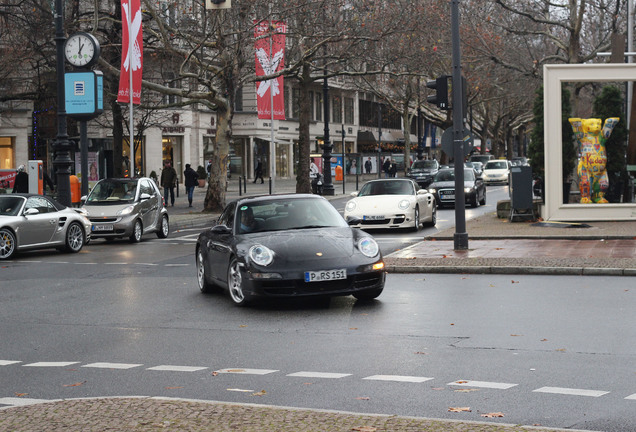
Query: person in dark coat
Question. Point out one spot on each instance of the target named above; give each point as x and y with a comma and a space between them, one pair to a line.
258, 172
385, 167
21, 184
191, 181
168, 181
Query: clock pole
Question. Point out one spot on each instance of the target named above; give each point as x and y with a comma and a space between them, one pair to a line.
61, 146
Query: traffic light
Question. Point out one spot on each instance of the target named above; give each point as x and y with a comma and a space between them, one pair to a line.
440, 98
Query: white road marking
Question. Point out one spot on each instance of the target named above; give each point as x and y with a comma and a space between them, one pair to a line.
247, 371
483, 384
116, 263
631, 397
146, 264
50, 364
22, 401
398, 378
177, 368
318, 375
177, 265
240, 390
86, 263
112, 365
8, 362
571, 391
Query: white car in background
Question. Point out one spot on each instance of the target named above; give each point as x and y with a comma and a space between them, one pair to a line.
496, 171
391, 203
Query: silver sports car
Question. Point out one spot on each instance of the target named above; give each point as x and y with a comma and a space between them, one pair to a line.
38, 222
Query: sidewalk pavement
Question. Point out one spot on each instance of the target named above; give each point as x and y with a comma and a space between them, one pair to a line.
494, 245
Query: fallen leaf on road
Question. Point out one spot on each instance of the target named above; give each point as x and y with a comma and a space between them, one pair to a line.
459, 409
490, 415
364, 429
515, 281
363, 398
437, 388
516, 335
353, 328
21, 394
543, 340
421, 352
461, 382
466, 390
74, 385
260, 393
215, 373
561, 349
174, 388
242, 326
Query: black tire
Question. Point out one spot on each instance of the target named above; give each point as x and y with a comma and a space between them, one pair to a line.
8, 243
369, 294
138, 230
417, 223
75, 238
433, 221
204, 285
164, 227
235, 284
474, 202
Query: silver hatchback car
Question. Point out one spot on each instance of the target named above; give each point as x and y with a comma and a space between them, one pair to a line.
125, 207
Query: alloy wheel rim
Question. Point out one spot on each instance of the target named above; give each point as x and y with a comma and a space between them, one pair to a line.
6, 244
75, 237
137, 230
164, 226
235, 283
200, 269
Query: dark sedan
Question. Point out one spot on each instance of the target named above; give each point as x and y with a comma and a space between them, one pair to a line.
287, 246
423, 171
443, 188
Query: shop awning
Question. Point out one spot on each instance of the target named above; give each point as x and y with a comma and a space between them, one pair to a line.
276, 140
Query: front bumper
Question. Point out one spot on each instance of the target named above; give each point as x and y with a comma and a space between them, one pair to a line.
112, 227
398, 220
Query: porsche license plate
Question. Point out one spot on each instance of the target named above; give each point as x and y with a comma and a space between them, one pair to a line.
325, 275
102, 228
373, 217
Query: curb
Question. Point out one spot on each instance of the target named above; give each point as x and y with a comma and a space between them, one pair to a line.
548, 271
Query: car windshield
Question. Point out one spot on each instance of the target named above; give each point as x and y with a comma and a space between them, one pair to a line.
115, 191
287, 214
449, 175
10, 205
387, 187
424, 164
496, 165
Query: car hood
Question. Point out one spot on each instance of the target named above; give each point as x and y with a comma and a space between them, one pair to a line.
495, 171
450, 184
388, 203
307, 245
105, 210
423, 171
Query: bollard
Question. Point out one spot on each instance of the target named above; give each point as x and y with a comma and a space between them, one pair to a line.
270, 185
245, 184
240, 180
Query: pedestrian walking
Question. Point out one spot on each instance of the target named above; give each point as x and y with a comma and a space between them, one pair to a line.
191, 181
392, 169
21, 183
385, 167
368, 165
258, 172
168, 181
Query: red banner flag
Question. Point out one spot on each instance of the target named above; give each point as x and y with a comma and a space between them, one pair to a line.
131, 16
270, 34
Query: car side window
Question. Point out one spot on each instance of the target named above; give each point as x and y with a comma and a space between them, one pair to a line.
146, 188
41, 204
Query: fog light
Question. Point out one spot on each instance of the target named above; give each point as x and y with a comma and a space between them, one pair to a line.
378, 266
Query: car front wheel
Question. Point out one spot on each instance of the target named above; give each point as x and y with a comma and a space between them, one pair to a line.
235, 284
164, 228
74, 238
416, 220
433, 216
135, 237
8, 243
204, 285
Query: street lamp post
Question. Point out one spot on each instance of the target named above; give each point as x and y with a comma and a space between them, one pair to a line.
62, 146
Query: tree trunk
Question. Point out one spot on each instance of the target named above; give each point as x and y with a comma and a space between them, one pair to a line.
217, 183
303, 184
118, 136
407, 139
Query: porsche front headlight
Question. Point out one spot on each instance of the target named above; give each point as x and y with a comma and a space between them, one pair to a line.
368, 246
404, 204
261, 255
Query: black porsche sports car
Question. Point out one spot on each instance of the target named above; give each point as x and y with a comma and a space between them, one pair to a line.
287, 246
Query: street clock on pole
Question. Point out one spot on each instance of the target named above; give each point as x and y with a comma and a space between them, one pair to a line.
82, 50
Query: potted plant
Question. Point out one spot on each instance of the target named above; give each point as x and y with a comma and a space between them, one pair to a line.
203, 175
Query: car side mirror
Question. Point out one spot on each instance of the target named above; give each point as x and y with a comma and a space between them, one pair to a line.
144, 196
31, 211
422, 191
221, 229
352, 220
354, 194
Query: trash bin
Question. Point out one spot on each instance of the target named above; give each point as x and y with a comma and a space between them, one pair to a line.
521, 204
76, 191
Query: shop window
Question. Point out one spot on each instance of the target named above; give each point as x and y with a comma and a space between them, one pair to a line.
6, 153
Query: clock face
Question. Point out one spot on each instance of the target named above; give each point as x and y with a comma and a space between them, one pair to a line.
81, 49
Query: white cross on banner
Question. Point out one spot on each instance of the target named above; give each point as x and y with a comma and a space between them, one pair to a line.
270, 34
130, 59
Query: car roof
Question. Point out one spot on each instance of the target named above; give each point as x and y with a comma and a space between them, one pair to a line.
276, 197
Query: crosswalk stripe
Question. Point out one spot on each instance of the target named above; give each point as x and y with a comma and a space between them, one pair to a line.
50, 364
482, 384
571, 391
177, 368
112, 365
22, 401
398, 378
8, 362
318, 375
247, 371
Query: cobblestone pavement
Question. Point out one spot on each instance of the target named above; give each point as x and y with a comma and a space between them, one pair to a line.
159, 414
